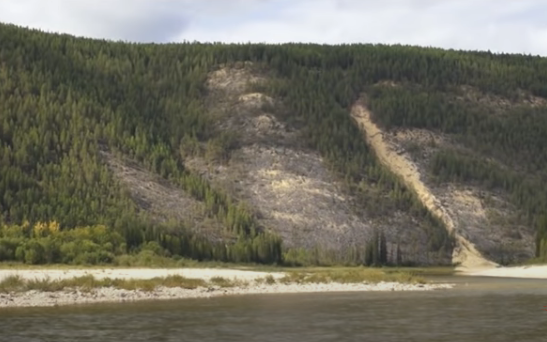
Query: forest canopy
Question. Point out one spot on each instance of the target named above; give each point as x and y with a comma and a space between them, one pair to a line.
64, 99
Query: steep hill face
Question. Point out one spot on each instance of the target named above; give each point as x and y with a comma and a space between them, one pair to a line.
478, 204
297, 154
458, 208
287, 184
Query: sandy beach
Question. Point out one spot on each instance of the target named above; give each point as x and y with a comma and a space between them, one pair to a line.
532, 272
252, 280
137, 273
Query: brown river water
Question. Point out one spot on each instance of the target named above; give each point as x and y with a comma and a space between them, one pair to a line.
477, 309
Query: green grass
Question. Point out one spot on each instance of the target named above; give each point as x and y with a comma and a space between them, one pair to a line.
268, 280
136, 261
87, 283
423, 271
350, 275
11, 284
299, 276
223, 282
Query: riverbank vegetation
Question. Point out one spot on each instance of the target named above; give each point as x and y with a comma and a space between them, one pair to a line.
45, 243
16, 283
66, 100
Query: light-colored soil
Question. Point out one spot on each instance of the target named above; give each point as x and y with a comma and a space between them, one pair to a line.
234, 79
112, 295
136, 273
531, 272
488, 221
465, 254
486, 218
287, 185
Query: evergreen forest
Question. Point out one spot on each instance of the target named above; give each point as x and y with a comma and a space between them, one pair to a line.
64, 100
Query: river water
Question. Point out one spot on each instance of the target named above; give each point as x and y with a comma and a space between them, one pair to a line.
478, 309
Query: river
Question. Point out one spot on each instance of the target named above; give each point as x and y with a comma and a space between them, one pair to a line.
477, 309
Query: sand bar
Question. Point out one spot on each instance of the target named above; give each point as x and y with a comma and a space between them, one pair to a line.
108, 294
532, 272
137, 273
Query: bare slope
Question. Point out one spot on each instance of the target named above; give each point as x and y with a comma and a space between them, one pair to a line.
161, 200
465, 252
292, 193
485, 225
286, 184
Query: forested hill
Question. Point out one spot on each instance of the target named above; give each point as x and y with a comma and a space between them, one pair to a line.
260, 153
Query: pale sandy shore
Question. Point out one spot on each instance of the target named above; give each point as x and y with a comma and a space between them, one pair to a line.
532, 272
109, 294
137, 273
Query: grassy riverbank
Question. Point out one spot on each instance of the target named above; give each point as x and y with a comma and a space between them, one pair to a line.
162, 262
85, 283
18, 283
64, 286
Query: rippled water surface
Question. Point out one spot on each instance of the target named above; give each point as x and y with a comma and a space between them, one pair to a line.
478, 309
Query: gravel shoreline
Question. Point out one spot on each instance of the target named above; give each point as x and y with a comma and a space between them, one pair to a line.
112, 295
71, 296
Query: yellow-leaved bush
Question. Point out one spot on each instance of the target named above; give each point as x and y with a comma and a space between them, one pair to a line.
46, 242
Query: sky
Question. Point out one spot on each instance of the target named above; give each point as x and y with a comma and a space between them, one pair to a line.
512, 26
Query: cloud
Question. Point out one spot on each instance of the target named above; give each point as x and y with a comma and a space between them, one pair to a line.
496, 25
135, 20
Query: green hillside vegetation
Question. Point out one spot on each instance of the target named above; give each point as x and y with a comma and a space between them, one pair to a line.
63, 100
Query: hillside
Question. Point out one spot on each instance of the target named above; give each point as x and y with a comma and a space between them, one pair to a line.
295, 153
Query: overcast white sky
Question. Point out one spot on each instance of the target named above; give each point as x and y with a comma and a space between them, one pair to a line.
518, 26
